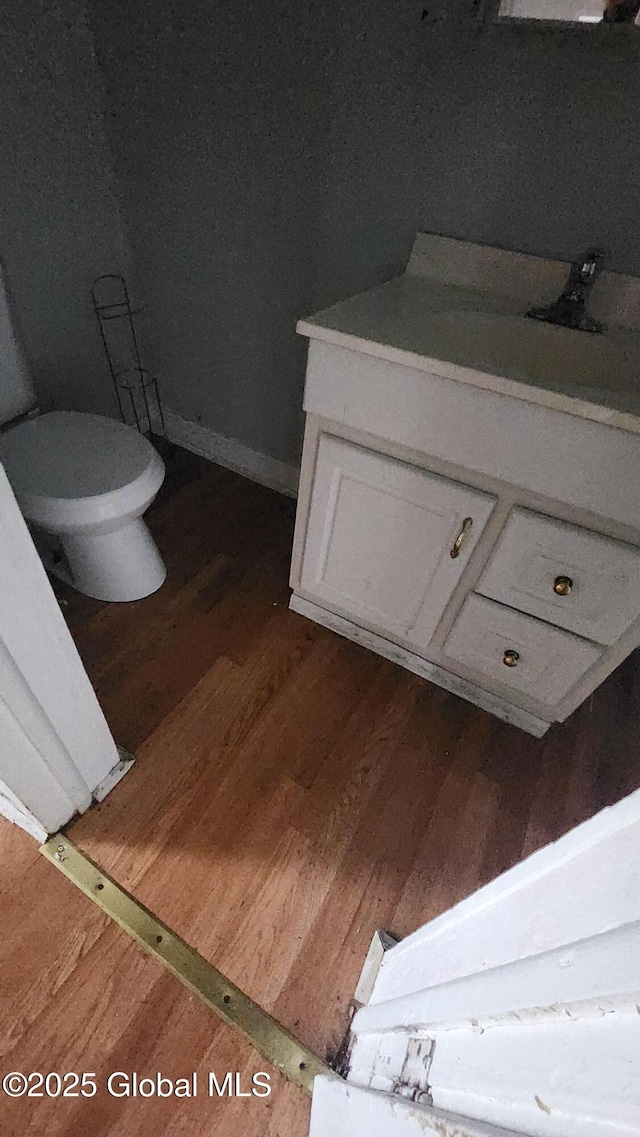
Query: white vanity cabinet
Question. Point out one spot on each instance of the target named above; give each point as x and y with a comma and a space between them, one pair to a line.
482, 533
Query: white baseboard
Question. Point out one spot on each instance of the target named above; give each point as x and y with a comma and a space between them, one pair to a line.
232, 454
115, 775
18, 815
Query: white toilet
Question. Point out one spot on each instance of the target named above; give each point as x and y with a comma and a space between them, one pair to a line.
82, 482
88, 480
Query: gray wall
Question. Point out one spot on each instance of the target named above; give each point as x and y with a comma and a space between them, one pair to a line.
218, 113
274, 156
59, 222
507, 136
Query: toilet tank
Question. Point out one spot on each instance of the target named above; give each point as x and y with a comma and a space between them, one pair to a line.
17, 393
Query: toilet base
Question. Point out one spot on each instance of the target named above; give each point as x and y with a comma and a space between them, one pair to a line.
119, 566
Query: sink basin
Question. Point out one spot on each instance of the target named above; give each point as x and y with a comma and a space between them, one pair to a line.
485, 339
542, 354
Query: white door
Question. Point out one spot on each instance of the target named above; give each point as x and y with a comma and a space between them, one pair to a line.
342, 1110
387, 542
518, 1008
55, 746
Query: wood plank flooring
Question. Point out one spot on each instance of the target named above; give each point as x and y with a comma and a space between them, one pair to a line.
292, 792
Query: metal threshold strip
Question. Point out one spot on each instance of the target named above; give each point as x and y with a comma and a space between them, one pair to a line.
236, 1009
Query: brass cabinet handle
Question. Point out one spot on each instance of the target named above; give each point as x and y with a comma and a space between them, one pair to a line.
510, 658
457, 544
562, 585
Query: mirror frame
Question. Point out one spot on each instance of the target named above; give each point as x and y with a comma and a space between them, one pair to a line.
488, 11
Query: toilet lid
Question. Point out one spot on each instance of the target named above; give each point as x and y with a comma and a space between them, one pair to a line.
64, 454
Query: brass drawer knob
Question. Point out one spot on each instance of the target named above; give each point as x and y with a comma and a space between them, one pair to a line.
562, 585
510, 658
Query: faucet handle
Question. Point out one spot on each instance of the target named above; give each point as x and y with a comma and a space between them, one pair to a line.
588, 265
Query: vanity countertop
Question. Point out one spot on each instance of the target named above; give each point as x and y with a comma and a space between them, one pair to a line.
476, 336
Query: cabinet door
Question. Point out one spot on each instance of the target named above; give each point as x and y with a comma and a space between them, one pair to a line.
380, 539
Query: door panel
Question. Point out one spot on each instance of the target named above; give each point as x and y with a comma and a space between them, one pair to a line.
340, 1109
523, 997
380, 539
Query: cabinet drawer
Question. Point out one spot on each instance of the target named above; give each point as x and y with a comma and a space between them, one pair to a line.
576, 579
518, 651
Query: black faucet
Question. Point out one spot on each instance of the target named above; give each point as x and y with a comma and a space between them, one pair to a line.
570, 309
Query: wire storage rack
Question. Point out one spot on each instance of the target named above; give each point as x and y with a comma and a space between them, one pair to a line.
135, 387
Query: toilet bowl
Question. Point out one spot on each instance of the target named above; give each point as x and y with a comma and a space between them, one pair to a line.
87, 481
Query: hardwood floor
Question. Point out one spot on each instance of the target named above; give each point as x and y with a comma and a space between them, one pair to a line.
292, 792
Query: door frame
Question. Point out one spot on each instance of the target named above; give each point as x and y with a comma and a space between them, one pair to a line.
56, 749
